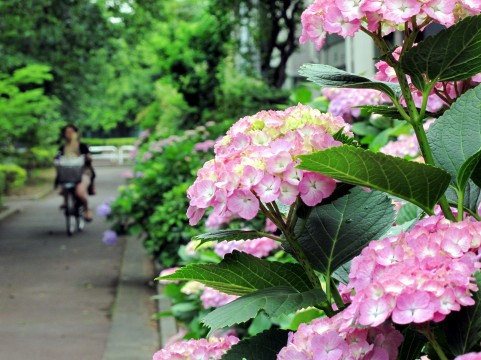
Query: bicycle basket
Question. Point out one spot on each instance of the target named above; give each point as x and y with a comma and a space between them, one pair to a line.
70, 169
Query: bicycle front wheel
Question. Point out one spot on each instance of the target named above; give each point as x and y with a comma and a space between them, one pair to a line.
70, 217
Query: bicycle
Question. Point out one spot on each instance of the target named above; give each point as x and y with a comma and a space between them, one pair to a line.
69, 172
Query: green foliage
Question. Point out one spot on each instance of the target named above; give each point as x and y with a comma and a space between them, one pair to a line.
335, 233
109, 141
241, 274
14, 176
27, 115
264, 346
168, 113
452, 54
454, 138
420, 184
328, 76
274, 301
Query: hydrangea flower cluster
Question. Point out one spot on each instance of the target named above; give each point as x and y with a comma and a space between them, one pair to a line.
256, 162
257, 247
469, 356
211, 349
104, 210
415, 277
442, 93
343, 101
110, 237
204, 146
322, 339
212, 298
405, 145
346, 17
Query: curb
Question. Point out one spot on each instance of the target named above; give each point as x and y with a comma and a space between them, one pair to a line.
167, 324
133, 334
34, 197
9, 212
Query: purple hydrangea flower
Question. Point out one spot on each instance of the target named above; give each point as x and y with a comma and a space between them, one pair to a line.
110, 237
104, 210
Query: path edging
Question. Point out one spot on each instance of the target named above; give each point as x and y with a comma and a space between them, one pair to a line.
12, 210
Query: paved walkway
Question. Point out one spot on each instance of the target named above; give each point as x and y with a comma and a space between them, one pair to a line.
57, 293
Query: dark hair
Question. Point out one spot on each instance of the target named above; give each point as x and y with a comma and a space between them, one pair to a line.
71, 126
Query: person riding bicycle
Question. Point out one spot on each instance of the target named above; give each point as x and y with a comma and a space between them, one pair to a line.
74, 148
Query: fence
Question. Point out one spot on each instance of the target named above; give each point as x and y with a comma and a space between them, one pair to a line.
112, 153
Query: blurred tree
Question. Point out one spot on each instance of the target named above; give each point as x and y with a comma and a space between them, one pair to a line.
64, 34
271, 27
27, 116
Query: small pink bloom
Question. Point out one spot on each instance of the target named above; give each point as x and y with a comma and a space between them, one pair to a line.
411, 308
315, 187
244, 203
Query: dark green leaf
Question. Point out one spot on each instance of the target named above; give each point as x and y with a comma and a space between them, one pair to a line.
476, 175
240, 273
454, 138
274, 301
329, 76
467, 170
412, 345
337, 232
264, 346
228, 235
463, 328
418, 183
452, 54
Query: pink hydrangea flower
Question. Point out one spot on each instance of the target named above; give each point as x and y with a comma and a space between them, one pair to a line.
258, 247
343, 101
346, 17
212, 298
415, 277
469, 356
435, 102
323, 339
212, 349
256, 162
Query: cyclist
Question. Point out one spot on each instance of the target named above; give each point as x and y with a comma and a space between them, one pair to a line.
72, 147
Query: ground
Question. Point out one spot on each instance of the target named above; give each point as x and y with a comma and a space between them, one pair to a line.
57, 293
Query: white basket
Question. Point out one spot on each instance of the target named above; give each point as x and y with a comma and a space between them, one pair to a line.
70, 169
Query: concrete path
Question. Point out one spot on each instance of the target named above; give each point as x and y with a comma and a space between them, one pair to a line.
56, 293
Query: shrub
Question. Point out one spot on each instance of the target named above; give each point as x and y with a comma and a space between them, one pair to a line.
14, 176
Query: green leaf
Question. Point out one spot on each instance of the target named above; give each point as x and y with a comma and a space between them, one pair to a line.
463, 328
406, 213
240, 273
264, 346
228, 235
412, 345
329, 76
385, 110
362, 129
418, 183
274, 301
467, 170
452, 54
476, 175
337, 232
454, 138
259, 324
345, 139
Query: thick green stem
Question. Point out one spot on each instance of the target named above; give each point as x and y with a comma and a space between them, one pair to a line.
336, 296
304, 262
429, 159
460, 194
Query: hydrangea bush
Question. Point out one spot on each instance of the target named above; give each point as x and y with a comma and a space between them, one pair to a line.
386, 289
